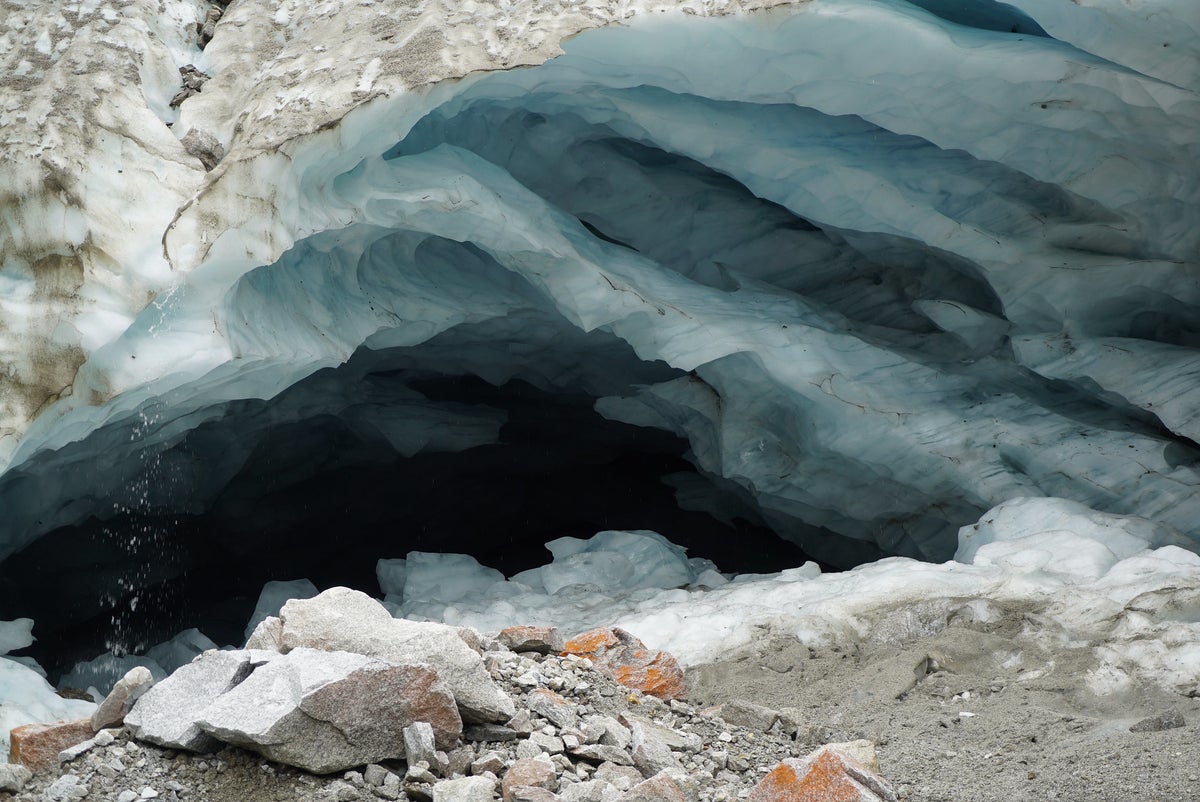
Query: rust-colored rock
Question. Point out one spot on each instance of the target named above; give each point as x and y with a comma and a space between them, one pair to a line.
826, 775
526, 773
630, 662
36, 746
543, 640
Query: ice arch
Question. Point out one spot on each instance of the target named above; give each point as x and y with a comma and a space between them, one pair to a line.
880, 270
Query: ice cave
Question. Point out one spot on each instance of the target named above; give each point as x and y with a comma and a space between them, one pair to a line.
756, 312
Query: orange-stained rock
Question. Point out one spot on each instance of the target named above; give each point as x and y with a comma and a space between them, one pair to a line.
36, 746
532, 639
826, 775
633, 665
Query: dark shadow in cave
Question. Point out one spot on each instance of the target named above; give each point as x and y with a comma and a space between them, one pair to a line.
559, 469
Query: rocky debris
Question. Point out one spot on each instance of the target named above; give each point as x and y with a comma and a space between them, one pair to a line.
575, 736
210, 151
37, 746
341, 619
102, 738
1171, 719
168, 713
117, 704
629, 661
827, 774
330, 711
13, 777
207, 29
67, 788
543, 640
193, 81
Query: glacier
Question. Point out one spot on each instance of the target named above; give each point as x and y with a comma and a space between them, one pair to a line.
845, 274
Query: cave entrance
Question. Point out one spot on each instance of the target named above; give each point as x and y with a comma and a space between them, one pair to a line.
373, 459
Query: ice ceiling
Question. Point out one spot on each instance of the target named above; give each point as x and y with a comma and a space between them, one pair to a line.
842, 274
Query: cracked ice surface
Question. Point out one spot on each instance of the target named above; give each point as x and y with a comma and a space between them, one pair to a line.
906, 268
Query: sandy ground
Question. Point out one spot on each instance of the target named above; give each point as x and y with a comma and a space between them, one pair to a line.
953, 724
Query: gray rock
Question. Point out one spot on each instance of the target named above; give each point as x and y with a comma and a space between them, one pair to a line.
341, 619
419, 743
201, 144
66, 788
552, 707
1172, 719
493, 733
467, 789
490, 762
522, 722
374, 775
329, 711
589, 791
741, 713
266, 635
13, 777
116, 705
527, 750
168, 712
621, 777
650, 753
550, 744
603, 753
127, 796
678, 741
615, 733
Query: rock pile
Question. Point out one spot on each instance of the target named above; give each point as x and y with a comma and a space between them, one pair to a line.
392, 709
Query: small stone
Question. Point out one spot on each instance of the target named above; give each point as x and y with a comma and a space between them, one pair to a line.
466, 789
117, 704
543, 640
603, 753
1171, 719
650, 753
741, 713
521, 723
419, 773
528, 772
587, 791
488, 762
547, 743
621, 777
374, 774
148, 793
662, 788
527, 750
127, 796
492, 733
13, 777
419, 743
529, 793
65, 789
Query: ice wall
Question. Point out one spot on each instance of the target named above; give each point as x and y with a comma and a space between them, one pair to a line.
885, 265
